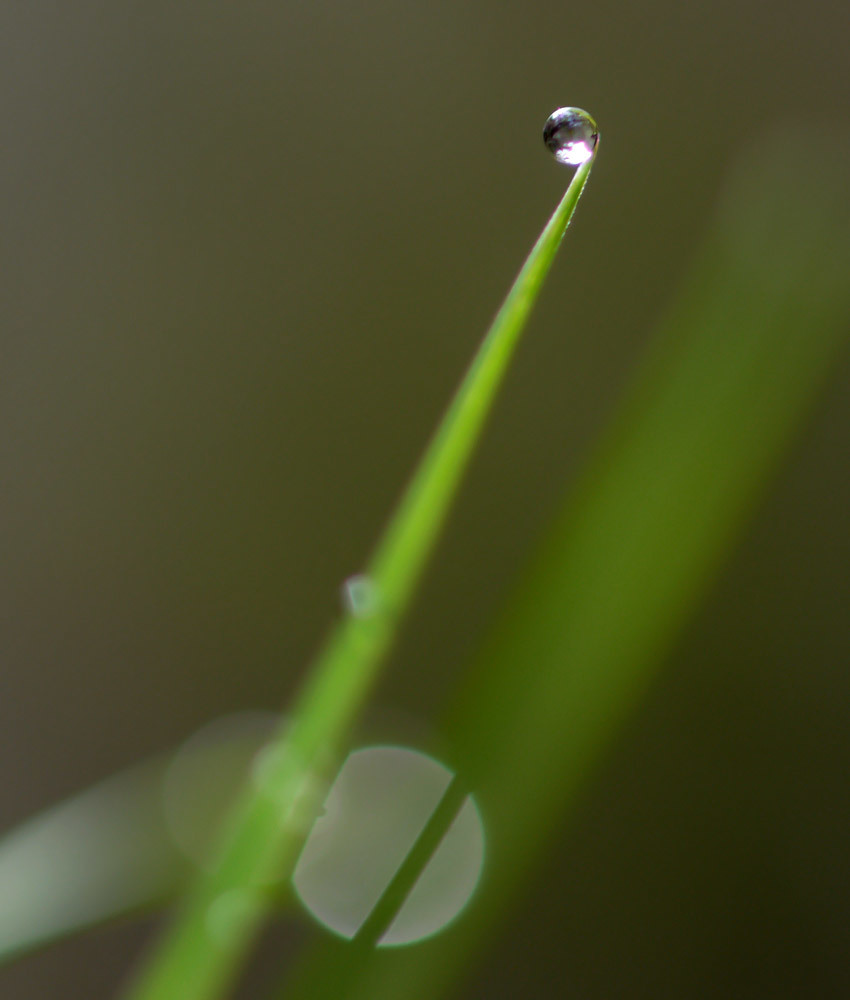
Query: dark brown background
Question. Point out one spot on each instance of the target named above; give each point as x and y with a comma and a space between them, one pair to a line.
246, 252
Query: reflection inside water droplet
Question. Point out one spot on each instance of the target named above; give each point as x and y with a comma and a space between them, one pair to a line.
571, 135
374, 812
360, 595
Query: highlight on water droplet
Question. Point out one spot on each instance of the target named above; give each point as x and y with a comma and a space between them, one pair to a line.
360, 595
375, 811
571, 135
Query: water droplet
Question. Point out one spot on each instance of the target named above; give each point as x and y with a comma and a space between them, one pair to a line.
376, 809
571, 134
360, 595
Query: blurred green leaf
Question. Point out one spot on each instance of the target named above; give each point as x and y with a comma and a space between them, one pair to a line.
95, 856
122, 845
727, 382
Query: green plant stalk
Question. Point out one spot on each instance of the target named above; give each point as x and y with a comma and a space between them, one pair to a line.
734, 369
202, 951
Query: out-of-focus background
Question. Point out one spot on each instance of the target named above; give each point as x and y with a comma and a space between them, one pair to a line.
247, 251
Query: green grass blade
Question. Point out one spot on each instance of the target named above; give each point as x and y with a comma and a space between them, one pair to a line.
204, 948
729, 379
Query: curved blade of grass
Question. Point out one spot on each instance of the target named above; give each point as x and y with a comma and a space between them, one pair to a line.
202, 951
729, 378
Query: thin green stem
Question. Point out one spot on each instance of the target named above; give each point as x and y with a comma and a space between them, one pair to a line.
205, 946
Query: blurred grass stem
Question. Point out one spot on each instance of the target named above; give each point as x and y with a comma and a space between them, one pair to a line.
202, 951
